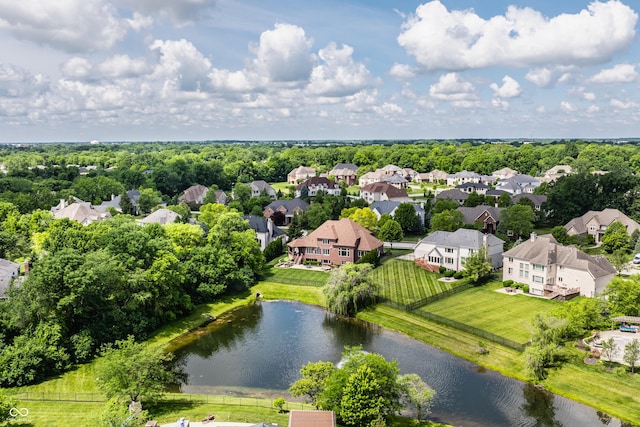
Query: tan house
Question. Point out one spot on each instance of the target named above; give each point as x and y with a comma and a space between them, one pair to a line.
312, 419
335, 242
299, 174
504, 173
194, 196
344, 172
555, 271
556, 172
379, 191
83, 212
435, 175
318, 183
595, 223
161, 216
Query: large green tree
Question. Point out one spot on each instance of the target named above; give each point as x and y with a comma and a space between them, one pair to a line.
447, 221
349, 289
518, 219
407, 217
477, 267
615, 238
416, 394
312, 382
391, 231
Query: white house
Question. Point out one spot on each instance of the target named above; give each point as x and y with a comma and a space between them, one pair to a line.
266, 231
318, 183
462, 177
451, 249
553, 270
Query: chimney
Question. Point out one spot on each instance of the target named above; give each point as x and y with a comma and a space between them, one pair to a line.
26, 267
485, 241
270, 226
533, 236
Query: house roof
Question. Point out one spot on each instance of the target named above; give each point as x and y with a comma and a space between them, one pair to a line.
303, 170
605, 217
383, 187
505, 171
8, 269
391, 168
312, 418
288, 205
519, 180
259, 224
344, 232
473, 185
317, 181
195, 193
260, 185
221, 197
82, 212
395, 179
464, 174
453, 194
388, 206
351, 166
559, 169
545, 250
492, 192
377, 174
161, 216
341, 172
461, 238
471, 215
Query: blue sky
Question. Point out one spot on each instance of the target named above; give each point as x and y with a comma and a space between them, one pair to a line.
121, 70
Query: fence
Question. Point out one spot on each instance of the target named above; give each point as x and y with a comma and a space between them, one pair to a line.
212, 399
416, 308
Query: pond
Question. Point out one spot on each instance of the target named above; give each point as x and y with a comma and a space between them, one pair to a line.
259, 350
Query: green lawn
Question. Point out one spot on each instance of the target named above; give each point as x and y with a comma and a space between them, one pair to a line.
509, 316
403, 282
296, 276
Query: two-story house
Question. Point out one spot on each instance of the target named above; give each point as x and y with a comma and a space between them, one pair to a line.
596, 223
288, 208
556, 271
379, 191
318, 183
299, 174
258, 186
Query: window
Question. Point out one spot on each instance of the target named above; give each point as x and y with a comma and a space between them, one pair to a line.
448, 250
311, 250
510, 270
325, 252
559, 279
361, 254
325, 241
524, 270
448, 260
344, 252
509, 233
434, 259
538, 267
538, 279
510, 259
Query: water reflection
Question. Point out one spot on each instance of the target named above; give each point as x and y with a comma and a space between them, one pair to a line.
265, 345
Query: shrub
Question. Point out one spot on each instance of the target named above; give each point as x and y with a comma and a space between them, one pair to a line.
370, 257
442, 269
508, 283
525, 289
279, 404
458, 275
449, 273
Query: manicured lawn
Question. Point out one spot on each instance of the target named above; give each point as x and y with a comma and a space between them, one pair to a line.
509, 316
403, 282
296, 276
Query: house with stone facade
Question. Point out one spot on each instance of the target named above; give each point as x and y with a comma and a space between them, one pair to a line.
299, 174
487, 216
318, 183
288, 208
595, 223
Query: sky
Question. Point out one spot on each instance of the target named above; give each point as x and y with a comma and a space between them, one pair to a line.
178, 70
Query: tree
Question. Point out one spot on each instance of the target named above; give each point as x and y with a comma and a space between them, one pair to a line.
117, 413
615, 238
447, 221
623, 296
407, 217
560, 234
295, 227
312, 383
474, 200
349, 288
477, 267
365, 217
241, 193
544, 350
632, 353
279, 404
619, 259
504, 201
6, 403
360, 404
416, 393
148, 200
391, 231
126, 205
316, 215
518, 219
609, 348
133, 370
273, 250
442, 205
383, 218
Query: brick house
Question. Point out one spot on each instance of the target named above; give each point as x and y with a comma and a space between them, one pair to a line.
288, 208
335, 242
318, 183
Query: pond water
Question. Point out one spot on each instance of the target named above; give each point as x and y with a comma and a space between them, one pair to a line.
260, 349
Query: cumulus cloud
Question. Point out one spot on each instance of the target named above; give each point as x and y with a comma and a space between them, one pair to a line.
69, 25
509, 89
283, 54
541, 77
182, 12
621, 73
451, 88
402, 71
623, 105
339, 75
181, 66
567, 107
77, 68
123, 66
440, 39
17, 82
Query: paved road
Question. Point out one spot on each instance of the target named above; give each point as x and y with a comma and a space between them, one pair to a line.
399, 245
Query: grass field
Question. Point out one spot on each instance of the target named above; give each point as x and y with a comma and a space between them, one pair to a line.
403, 282
296, 276
506, 315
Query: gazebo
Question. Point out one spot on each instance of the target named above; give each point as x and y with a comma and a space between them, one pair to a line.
634, 320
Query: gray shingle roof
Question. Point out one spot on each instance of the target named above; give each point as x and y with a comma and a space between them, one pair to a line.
461, 238
288, 205
470, 215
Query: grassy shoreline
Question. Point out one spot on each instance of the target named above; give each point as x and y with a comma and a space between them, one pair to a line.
591, 385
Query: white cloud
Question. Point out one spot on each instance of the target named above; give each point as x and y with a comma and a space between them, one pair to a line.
402, 71
16, 82
77, 68
500, 104
593, 109
623, 105
541, 77
460, 39
180, 11
589, 96
283, 54
451, 88
621, 73
339, 75
122, 66
70, 25
181, 66
509, 89
567, 107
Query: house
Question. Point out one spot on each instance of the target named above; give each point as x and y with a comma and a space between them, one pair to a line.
83, 212
409, 174
470, 187
160, 216
453, 194
518, 184
382, 191
335, 242
556, 271
221, 197
266, 231
537, 199
397, 181
462, 177
288, 208
389, 207
299, 418
8, 271
318, 183
495, 194
595, 223
392, 170
556, 172
299, 174
114, 203
194, 196
435, 176
451, 249
504, 173
372, 178
488, 216
257, 187
344, 172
